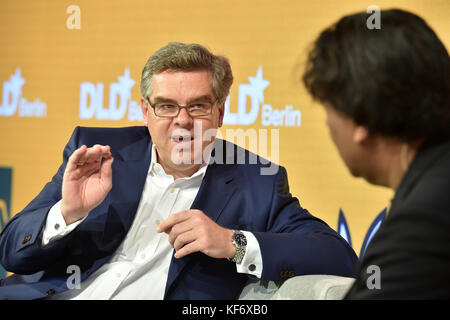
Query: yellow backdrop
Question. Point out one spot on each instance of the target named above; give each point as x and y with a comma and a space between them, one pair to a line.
67, 63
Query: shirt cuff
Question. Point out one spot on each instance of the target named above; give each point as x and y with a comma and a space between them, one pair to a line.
252, 262
55, 225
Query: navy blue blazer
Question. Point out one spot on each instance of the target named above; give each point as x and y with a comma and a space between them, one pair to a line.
234, 195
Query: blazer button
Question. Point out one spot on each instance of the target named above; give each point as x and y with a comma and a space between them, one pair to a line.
50, 292
26, 238
286, 274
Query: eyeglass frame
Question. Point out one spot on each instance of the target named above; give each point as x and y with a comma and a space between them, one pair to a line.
179, 109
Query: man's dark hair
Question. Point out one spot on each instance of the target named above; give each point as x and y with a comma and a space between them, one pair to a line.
394, 80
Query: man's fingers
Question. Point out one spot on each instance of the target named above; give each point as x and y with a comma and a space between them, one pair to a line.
96, 153
76, 157
184, 239
106, 169
179, 229
84, 156
187, 249
186, 231
167, 224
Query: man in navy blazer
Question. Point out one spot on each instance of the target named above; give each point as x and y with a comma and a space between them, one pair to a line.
237, 218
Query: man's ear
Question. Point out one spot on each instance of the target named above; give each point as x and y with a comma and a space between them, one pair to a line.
360, 135
144, 109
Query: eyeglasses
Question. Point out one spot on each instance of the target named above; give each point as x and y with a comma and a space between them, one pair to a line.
171, 110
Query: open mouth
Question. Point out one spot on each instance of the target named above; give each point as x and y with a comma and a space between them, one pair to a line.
182, 138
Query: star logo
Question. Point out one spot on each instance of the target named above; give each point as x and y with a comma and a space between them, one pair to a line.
17, 81
125, 81
258, 85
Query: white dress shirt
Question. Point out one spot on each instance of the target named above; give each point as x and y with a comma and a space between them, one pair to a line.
140, 266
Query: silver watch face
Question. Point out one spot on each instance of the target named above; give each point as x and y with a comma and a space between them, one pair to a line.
240, 239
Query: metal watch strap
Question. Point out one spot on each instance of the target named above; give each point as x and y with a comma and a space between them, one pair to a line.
240, 242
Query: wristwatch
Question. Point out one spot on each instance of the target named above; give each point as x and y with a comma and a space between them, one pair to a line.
240, 242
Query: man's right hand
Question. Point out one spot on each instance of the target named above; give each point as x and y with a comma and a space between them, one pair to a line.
86, 182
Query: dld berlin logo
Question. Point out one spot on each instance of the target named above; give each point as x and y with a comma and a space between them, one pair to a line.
13, 102
92, 105
270, 116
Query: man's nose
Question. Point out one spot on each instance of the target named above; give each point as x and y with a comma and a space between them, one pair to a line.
183, 118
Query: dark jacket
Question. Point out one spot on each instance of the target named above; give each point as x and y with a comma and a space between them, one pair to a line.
412, 246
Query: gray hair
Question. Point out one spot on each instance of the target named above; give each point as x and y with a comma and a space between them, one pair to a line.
176, 56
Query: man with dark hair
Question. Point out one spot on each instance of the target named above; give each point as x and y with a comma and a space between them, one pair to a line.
165, 210
386, 95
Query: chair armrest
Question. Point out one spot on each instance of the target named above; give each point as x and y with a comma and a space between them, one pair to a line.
307, 287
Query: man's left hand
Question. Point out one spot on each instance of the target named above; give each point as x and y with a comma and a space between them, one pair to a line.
193, 231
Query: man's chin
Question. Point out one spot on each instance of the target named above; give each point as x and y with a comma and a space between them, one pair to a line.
354, 173
185, 159
182, 170
369, 177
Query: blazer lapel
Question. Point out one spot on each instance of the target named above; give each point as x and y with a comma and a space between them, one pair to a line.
215, 191
130, 169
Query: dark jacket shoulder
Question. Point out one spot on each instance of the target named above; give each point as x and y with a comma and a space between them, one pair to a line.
117, 137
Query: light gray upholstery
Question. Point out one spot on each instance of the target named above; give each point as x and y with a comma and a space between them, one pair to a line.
308, 287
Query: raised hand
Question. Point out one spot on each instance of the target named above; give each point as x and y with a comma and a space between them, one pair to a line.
86, 182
